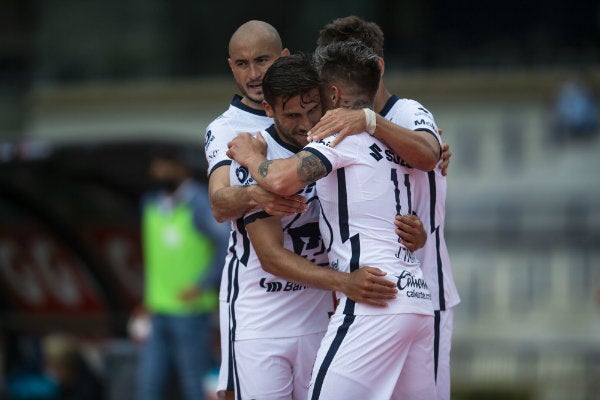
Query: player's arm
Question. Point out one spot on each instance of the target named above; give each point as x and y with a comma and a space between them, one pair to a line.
231, 202
283, 176
365, 285
419, 149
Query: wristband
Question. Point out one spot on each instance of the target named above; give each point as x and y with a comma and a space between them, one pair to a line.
370, 117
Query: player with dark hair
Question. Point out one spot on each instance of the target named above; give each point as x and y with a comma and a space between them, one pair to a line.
368, 352
280, 313
410, 119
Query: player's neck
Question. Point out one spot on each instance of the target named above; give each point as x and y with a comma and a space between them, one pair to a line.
381, 97
252, 104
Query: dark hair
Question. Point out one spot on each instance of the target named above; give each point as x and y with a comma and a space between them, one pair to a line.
350, 63
289, 76
352, 28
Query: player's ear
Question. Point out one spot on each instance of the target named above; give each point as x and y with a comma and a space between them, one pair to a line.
381, 65
268, 109
334, 93
285, 52
230, 63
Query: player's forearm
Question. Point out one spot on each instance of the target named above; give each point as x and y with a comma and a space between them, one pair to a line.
288, 265
419, 149
231, 202
277, 176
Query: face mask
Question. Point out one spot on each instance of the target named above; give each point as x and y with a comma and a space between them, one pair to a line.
167, 185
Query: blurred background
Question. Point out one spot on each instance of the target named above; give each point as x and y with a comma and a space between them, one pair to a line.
89, 90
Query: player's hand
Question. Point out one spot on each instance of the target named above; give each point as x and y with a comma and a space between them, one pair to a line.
445, 158
367, 285
190, 294
277, 205
343, 120
245, 146
411, 232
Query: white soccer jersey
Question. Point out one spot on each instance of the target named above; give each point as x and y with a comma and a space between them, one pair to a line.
365, 188
430, 205
263, 305
237, 119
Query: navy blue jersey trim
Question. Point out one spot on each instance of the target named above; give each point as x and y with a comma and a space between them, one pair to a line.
408, 192
354, 265
258, 215
237, 102
273, 132
432, 200
321, 157
231, 263
434, 135
388, 105
436, 342
440, 271
230, 363
335, 346
330, 229
394, 177
245, 240
219, 164
343, 205
233, 379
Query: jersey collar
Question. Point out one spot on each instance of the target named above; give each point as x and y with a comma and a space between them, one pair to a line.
388, 105
237, 102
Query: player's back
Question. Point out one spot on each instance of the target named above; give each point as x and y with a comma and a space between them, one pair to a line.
430, 200
366, 187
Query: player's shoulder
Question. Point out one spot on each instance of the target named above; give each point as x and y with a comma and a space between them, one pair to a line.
410, 105
238, 111
411, 114
325, 142
348, 144
224, 120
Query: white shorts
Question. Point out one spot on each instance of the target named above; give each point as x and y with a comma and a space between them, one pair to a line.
225, 381
444, 322
375, 357
274, 369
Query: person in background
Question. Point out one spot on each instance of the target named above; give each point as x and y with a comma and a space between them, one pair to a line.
65, 365
183, 247
575, 110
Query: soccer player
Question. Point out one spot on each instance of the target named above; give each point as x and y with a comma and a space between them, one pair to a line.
278, 323
408, 119
253, 47
367, 352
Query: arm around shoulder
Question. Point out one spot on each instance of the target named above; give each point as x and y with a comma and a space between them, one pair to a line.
419, 149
